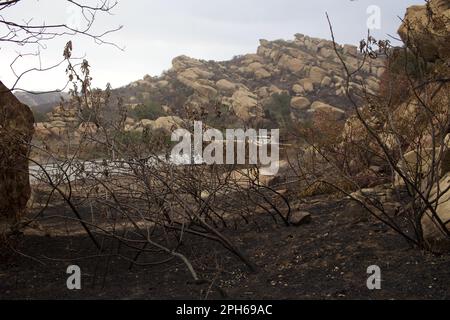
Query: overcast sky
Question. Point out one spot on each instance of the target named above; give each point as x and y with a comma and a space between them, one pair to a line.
156, 31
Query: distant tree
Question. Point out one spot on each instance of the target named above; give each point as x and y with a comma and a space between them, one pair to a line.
149, 110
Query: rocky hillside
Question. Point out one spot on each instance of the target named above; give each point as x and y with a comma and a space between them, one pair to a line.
283, 82
305, 69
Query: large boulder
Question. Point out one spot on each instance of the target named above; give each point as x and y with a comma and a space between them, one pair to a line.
184, 62
422, 163
245, 104
433, 231
162, 84
298, 89
196, 73
319, 106
42, 130
373, 84
262, 177
300, 103
252, 57
168, 124
427, 29
263, 92
225, 85
290, 63
350, 50
16, 132
326, 82
317, 74
203, 90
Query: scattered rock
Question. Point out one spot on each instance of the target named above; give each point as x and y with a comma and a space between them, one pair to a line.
420, 34
433, 232
326, 52
317, 74
184, 62
275, 90
326, 82
354, 212
167, 124
162, 84
300, 103
299, 218
307, 85
91, 128
350, 50
205, 91
298, 89
263, 92
292, 64
373, 84
245, 104
262, 74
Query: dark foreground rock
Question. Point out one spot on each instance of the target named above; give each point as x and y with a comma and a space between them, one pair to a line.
16, 132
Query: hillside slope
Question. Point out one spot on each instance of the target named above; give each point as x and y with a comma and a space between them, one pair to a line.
307, 69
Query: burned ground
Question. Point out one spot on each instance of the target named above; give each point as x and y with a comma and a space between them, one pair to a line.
324, 259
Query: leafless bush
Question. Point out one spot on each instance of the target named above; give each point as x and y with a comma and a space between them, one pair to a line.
401, 141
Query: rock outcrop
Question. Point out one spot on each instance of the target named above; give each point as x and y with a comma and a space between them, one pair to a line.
300, 103
426, 29
167, 124
245, 104
16, 132
306, 69
60, 121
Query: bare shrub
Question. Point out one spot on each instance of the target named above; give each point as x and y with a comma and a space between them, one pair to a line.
397, 136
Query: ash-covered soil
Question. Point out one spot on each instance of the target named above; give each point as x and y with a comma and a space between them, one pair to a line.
324, 259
